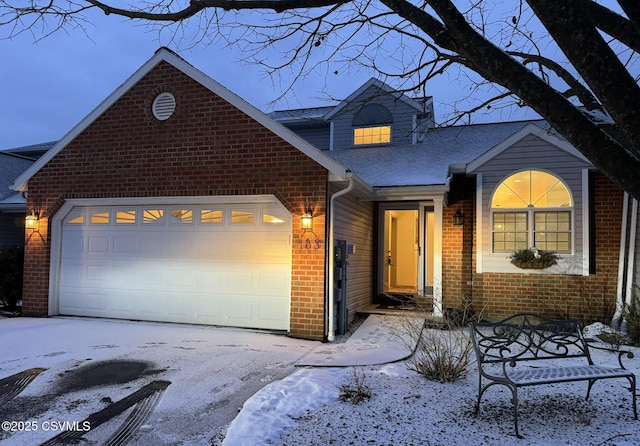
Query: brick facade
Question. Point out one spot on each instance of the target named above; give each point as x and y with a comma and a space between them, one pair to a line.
497, 295
207, 148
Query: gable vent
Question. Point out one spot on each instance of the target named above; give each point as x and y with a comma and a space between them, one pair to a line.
163, 106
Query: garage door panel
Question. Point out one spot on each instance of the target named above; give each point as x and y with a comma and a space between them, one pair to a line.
222, 274
176, 277
98, 244
97, 273
269, 309
271, 282
74, 245
124, 245
208, 309
149, 247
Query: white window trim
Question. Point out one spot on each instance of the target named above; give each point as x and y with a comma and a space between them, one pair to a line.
353, 135
530, 225
567, 263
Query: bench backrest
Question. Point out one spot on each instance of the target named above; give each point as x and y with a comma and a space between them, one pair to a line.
527, 337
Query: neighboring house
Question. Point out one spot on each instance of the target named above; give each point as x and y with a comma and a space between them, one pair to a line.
175, 200
12, 204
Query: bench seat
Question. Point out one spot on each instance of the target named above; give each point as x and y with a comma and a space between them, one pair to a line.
528, 349
550, 375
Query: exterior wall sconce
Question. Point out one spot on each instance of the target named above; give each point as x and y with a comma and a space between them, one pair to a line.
458, 218
32, 222
306, 219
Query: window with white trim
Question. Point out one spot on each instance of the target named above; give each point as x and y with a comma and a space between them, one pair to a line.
372, 125
531, 208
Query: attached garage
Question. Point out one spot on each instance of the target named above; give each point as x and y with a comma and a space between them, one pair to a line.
185, 213
210, 260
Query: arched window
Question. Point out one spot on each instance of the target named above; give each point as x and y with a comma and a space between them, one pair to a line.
531, 208
372, 125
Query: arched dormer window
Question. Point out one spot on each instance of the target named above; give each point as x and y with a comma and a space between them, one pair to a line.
372, 125
532, 208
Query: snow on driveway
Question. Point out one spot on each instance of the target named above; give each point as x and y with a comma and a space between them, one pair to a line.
92, 363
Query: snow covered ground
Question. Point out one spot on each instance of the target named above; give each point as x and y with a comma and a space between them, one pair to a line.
90, 364
406, 409
296, 407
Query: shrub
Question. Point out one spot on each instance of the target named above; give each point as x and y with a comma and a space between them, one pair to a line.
356, 390
442, 349
631, 315
11, 265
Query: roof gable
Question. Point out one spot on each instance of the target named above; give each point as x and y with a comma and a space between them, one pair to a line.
357, 96
529, 129
165, 55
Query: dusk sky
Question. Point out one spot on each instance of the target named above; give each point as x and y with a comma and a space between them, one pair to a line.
48, 87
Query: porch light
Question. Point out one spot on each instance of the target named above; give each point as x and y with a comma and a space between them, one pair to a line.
458, 218
31, 221
306, 219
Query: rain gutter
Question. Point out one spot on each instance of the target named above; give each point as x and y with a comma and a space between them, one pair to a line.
330, 310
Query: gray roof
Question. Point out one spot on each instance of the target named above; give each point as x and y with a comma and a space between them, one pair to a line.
426, 163
300, 114
11, 166
13, 162
33, 151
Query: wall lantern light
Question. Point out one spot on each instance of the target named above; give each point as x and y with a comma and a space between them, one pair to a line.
458, 218
31, 221
306, 219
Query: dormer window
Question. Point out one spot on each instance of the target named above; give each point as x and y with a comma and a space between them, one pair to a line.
372, 125
372, 135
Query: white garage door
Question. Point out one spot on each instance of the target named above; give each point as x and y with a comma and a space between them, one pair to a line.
223, 264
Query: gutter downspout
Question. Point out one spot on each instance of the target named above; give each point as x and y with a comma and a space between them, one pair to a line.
632, 250
620, 301
330, 324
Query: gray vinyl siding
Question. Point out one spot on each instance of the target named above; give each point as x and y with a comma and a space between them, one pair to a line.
401, 129
354, 223
318, 135
533, 153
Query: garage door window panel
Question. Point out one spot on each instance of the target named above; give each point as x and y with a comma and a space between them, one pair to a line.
274, 216
182, 216
211, 216
126, 217
153, 216
75, 217
243, 216
99, 217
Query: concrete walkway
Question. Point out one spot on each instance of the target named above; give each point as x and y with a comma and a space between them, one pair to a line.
380, 339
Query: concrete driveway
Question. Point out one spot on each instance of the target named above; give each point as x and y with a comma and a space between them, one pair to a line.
96, 381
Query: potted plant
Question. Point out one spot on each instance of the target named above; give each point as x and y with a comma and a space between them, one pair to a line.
533, 258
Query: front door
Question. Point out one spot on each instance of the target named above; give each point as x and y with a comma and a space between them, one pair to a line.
401, 251
408, 251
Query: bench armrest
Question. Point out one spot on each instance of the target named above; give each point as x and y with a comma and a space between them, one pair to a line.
629, 354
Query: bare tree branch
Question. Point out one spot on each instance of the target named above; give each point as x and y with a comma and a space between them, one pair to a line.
409, 42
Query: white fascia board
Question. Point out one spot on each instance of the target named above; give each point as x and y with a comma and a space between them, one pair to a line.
166, 55
529, 129
407, 193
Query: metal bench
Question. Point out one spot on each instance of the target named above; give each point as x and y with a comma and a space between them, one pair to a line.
552, 349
